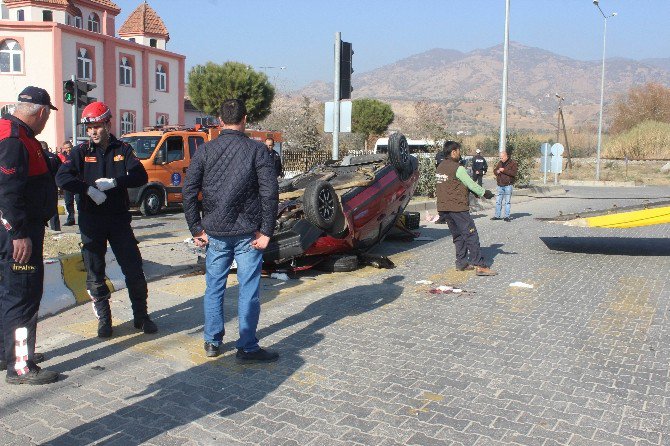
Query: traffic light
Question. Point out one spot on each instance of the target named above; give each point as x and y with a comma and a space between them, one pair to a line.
83, 88
346, 69
68, 92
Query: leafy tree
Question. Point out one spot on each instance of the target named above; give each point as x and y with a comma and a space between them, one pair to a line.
650, 102
210, 84
299, 120
370, 117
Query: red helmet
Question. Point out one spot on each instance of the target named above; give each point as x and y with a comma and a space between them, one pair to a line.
96, 112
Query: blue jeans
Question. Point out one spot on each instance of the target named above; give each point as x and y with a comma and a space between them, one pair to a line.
220, 254
503, 198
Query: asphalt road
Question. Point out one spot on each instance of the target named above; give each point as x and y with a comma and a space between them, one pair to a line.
372, 357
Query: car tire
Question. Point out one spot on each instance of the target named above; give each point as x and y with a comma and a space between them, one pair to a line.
152, 202
321, 205
399, 156
338, 263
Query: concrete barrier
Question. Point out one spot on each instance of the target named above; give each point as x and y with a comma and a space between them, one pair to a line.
65, 282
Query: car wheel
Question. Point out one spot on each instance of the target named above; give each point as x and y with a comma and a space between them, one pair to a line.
399, 155
338, 263
321, 205
152, 202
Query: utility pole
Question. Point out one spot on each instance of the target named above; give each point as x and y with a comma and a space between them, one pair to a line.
503, 110
74, 112
561, 120
336, 98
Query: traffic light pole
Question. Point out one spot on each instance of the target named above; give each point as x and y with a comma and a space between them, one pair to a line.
336, 98
74, 114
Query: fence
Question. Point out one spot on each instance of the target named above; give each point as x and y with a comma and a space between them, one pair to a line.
302, 160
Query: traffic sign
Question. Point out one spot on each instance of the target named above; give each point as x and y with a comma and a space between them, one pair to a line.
557, 149
545, 148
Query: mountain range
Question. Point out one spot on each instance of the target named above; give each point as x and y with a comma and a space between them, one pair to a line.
467, 86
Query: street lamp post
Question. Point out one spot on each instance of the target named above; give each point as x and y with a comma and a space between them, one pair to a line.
602, 89
503, 107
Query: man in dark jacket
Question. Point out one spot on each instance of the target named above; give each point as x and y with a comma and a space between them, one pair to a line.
101, 171
276, 159
452, 188
240, 196
27, 202
68, 197
479, 167
505, 171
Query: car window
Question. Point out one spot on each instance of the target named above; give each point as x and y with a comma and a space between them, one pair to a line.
175, 148
193, 143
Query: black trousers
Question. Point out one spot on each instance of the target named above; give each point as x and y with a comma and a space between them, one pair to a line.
21, 286
466, 238
478, 177
70, 199
96, 231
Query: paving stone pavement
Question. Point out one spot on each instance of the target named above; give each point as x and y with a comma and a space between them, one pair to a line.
373, 358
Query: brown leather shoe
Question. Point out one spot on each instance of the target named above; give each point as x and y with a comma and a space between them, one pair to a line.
484, 271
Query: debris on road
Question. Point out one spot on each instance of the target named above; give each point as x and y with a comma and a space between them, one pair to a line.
424, 282
521, 285
446, 289
279, 276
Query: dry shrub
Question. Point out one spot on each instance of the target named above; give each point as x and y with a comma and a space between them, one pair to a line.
647, 140
649, 102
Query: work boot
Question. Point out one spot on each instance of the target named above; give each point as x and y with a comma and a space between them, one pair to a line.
104, 314
260, 355
146, 324
212, 350
3, 365
484, 271
36, 375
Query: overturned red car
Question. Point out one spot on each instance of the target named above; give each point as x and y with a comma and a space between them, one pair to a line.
345, 206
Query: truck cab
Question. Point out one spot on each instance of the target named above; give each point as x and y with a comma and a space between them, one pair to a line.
166, 152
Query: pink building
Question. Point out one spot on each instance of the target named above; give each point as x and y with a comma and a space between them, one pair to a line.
45, 42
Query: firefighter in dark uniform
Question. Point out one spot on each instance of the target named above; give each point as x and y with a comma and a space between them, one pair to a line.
100, 171
27, 202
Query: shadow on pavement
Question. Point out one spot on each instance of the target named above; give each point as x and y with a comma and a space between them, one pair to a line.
634, 246
490, 252
221, 387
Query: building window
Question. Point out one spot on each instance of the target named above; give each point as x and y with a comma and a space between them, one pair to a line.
161, 78
94, 22
47, 16
162, 119
127, 122
10, 56
20, 15
78, 21
5, 12
153, 43
84, 65
132, 39
126, 72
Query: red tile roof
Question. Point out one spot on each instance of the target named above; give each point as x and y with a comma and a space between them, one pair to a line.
105, 4
144, 20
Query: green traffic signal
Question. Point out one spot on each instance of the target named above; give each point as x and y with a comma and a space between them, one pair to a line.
68, 92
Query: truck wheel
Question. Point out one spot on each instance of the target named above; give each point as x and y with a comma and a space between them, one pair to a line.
399, 155
152, 202
338, 263
321, 205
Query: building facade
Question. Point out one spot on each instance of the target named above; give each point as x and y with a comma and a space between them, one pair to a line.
46, 42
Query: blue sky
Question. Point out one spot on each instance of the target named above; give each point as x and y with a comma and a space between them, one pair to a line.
299, 34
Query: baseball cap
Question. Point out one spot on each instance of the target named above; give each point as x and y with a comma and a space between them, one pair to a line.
36, 95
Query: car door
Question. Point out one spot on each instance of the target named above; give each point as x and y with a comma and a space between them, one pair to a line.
174, 167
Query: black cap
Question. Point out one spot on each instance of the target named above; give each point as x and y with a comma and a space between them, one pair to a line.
36, 95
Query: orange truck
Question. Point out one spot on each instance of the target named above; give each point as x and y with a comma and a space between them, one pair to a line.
166, 152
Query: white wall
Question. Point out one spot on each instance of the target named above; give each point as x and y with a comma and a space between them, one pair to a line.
129, 98
69, 45
166, 102
38, 62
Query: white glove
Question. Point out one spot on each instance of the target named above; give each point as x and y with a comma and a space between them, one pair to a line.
96, 195
104, 184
